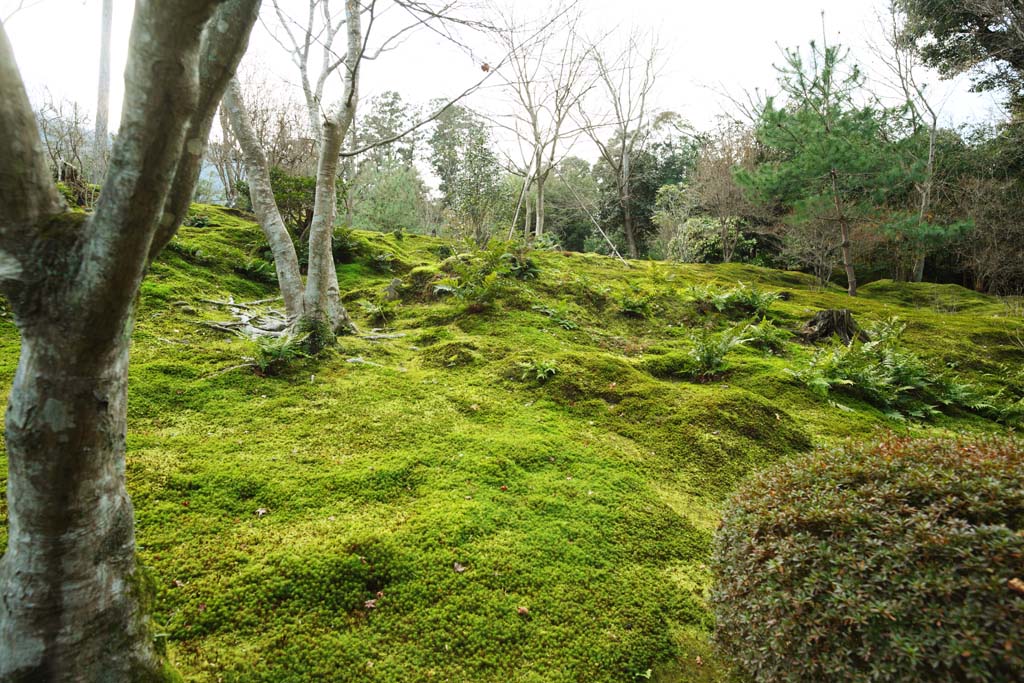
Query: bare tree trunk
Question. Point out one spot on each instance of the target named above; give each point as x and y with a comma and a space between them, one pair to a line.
72, 600
540, 207
851, 275
74, 595
627, 226
103, 90
728, 245
324, 316
844, 232
286, 261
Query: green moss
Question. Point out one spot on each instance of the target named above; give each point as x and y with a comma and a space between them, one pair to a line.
271, 509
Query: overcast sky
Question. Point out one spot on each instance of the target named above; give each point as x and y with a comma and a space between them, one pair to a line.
708, 47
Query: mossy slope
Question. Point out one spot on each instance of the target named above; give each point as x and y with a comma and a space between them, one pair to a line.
419, 507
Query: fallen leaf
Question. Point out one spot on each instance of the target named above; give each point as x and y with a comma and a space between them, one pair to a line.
261, 511
459, 568
1017, 585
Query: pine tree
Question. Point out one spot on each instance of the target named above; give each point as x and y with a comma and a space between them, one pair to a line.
827, 159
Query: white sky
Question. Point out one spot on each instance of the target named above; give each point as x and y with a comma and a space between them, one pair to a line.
708, 47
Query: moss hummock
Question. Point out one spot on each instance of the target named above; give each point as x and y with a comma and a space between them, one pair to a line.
410, 506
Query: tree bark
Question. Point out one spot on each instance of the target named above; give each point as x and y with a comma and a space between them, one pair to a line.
627, 227
72, 600
286, 261
540, 207
728, 245
324, 316
851, 275
103, 88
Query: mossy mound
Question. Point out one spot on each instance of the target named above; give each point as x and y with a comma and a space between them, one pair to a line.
525, 493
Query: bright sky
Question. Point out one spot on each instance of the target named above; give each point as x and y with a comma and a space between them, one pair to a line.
709, 47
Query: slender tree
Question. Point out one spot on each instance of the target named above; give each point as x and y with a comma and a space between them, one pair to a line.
72, 602
626, 82
548, 77
103, 90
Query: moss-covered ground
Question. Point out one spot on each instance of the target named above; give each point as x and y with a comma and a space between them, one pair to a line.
524, 493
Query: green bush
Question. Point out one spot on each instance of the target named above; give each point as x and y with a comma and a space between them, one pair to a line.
767, 337
480, 278
900, 562
637, 303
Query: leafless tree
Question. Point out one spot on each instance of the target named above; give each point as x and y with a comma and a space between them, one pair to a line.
65, 132
548, 76
714, 188
71, 599
318, 311
226, 158
626, 81
902, 74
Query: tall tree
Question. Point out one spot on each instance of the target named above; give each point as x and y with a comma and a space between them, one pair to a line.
72, 602
548, 79
471, 177
626, 81
103, 90
313, 308
828, 162
983, 37
714, 190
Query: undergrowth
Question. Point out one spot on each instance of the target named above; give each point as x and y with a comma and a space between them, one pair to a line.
410, 507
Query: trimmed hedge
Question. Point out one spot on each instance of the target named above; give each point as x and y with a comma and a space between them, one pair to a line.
898, 562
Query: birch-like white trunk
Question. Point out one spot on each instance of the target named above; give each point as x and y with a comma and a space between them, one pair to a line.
324, 316
103, 88
261, 194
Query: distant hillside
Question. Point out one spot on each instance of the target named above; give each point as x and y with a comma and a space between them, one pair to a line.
523, 490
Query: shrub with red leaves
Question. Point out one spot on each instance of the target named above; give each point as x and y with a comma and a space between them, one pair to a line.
899, 562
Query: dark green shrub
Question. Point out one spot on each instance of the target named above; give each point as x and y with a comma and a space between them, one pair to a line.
637, 303
900, 562
257, 269
197, 220
767, 337
740, 301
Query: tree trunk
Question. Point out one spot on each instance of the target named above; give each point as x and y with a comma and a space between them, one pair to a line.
73, 598
286, 261
844, 231
851, 275
727, 243
323, 315
103, 88
627, 227
540, 207
918, 274
73, 602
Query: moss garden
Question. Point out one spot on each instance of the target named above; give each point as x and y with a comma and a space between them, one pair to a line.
511, 481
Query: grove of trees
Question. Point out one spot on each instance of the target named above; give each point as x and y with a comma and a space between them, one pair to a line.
827, 175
